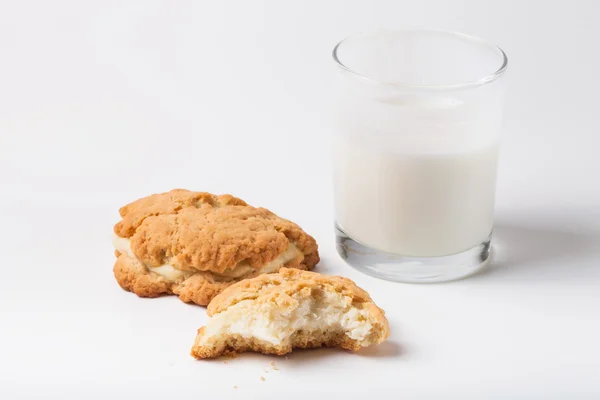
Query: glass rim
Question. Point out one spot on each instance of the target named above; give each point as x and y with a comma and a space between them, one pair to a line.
454, 86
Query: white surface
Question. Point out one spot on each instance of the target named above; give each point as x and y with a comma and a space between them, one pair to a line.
103, 102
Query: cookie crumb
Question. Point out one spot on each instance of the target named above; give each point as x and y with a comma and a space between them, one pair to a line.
286, 357
225, 362
262, 378
235, 387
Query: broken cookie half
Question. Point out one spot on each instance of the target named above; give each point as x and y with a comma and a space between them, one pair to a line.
274, 313
195, 244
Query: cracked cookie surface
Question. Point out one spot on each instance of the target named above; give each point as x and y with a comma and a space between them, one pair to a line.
276, 313
195, 244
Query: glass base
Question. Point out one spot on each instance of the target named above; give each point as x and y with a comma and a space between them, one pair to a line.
399, 268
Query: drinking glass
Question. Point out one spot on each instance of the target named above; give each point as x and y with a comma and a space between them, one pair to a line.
415, 152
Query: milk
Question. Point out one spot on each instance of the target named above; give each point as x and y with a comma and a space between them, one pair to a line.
416, 176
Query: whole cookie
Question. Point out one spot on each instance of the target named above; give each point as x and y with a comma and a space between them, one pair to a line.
195, 244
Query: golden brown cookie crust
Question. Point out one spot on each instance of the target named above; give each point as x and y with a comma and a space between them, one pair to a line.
283, 284
199, 288
279, 289
205, 235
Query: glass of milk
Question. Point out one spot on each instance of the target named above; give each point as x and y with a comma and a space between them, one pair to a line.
415, 152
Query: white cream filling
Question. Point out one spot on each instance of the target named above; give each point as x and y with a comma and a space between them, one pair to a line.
243, 268
123, 245
268, 322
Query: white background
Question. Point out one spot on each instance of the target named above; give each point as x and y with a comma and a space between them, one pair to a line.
102, 102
